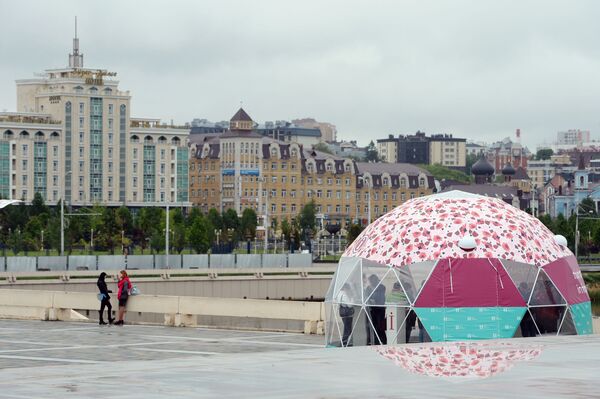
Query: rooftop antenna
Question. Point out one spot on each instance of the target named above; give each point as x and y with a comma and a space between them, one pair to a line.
76, 59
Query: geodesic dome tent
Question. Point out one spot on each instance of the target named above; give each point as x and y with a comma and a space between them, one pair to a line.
455, 266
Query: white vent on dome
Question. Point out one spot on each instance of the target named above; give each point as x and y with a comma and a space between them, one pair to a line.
560, 240
467, 243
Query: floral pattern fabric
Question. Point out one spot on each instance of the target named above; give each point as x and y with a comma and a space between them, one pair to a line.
430, 228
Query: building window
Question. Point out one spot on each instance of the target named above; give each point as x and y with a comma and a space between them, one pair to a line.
135, 153
24, 180
110, 138
81, 108
24, 149
110, 109
81, 122
319, 181
24, 164
134, 182
80, 181
81, 166
80, 152
110, 181
55, 166
110, 124
273, 208
338, 194
110, 167
402, 197
329, 181
55, 151
422, 182
412, 195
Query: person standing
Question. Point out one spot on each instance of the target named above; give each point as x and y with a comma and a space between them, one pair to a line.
124, 286
346, 311
376, 301
104, 299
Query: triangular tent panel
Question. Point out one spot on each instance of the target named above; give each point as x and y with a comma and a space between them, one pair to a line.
567, 326
420, 272
582, 317
523, 276
548, 318
544, 292
566, 276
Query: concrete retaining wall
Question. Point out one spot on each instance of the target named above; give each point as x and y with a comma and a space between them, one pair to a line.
176, 261
177, 310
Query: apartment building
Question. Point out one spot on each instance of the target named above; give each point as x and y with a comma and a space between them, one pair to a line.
241, 168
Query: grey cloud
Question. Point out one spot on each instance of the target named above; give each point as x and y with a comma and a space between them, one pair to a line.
479, 69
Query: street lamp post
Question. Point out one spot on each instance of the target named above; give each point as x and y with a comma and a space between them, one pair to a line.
591, 212
62, 217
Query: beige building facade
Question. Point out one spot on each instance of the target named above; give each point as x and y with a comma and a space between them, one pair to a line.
241, 169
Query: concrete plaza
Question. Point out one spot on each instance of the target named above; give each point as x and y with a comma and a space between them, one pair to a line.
64, 360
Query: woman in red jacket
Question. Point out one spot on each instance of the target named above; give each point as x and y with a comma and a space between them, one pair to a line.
124, 286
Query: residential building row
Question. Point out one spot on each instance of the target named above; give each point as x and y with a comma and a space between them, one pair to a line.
241, 168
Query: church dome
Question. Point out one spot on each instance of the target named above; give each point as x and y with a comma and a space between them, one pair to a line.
482, 167
508, 170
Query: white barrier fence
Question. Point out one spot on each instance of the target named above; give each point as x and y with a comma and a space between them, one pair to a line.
133, 262
178, 311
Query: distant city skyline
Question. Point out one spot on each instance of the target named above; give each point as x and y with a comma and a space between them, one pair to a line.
371, 69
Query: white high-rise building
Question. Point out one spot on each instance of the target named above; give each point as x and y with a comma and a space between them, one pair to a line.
72, 136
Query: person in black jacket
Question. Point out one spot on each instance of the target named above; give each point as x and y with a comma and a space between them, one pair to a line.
105, 301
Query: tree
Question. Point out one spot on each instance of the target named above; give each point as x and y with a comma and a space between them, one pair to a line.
470, 160
372, 155
323, 147
308, 217
38, 206
543, 154
440, 173
178, 228
354, 231
198, 234
215, 219
231, 224
248, 223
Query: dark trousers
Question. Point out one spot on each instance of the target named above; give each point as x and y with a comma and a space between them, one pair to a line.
105, 304
347, 329
378, 320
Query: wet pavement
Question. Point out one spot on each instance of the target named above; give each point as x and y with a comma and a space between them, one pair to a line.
68, 360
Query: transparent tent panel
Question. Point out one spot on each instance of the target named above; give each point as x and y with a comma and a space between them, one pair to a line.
361, 326
544, 292
523, 275
350, 290
568, 326
377, 284
346, 266
413, 277
527, 327
332, 328
548, 319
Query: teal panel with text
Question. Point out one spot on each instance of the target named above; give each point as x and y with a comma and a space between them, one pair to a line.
582, 317
455, 324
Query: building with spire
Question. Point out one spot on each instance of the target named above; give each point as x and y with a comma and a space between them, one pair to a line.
72, 137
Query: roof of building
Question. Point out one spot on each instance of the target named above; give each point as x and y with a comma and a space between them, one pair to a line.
488, 190
521, 174
377, 168
241, 115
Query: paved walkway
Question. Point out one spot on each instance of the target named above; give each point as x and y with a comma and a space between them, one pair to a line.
68, 360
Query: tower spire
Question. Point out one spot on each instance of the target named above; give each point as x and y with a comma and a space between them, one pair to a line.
76, 59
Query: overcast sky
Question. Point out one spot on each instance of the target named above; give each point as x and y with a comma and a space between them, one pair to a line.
478, 69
